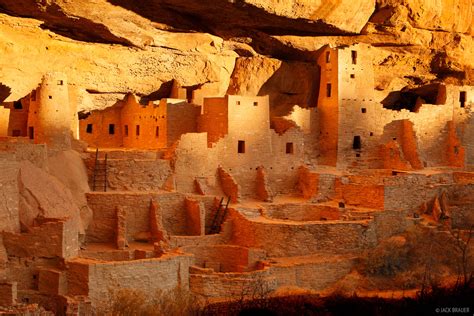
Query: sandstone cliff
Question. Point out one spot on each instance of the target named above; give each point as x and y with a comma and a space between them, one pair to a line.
112, 47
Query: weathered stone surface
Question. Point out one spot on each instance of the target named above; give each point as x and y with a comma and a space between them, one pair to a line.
44, 196
444, 15
108, 69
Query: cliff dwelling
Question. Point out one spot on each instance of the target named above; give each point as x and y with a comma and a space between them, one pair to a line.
154, 166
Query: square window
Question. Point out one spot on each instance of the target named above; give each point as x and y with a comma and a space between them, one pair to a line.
241, 147
17, 105
363, 110
89, 129
289, 148
111, 129
50, 96
238, 102
371, 133
353, 76
255, 103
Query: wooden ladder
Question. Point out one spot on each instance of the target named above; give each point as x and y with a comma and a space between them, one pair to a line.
219, 216
99, 178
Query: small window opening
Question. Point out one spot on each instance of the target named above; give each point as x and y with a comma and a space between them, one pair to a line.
157, 131
363, 110
356, 144
17, 105
238, 102
371, 133
354, 57
353, 76
137, 130
89, 129
255, 103
462, 98
189, 94
111, 129
328, 57
289, 148
328, 90
60, 82
50, 97
357, 155
31, 132
241, 147
125, 130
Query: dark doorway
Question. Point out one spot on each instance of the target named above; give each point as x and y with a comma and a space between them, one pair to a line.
89, 129
111, 129
241, 147
289, 148
328, 90
31, 132
354, 57
357, 144
462, 98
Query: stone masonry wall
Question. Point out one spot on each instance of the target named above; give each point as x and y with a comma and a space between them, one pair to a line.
283, 238
99, 280
137, 208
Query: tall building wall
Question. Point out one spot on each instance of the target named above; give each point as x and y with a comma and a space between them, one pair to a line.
50, 115
146, 124
328, 106
4, 119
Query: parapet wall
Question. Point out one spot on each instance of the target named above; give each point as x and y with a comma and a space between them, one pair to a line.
283, 238
99, 280
56, 238
137, 209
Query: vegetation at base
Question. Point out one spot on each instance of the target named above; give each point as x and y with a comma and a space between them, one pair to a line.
425, 303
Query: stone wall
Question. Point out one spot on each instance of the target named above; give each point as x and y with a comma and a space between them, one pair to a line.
9, 192
56, 238
282, 238
98, 280
136, 174
226, 258
226, 285
137, 208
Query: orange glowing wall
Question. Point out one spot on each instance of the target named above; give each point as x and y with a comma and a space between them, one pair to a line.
214, 119
328, 106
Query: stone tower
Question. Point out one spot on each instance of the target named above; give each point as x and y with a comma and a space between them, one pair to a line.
50, 119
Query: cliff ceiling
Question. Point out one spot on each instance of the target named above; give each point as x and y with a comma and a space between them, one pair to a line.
111, 47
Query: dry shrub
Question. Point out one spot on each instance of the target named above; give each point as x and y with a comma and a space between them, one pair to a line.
389, 258
131, 302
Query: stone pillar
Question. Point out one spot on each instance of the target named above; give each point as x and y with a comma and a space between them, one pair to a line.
121, 234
